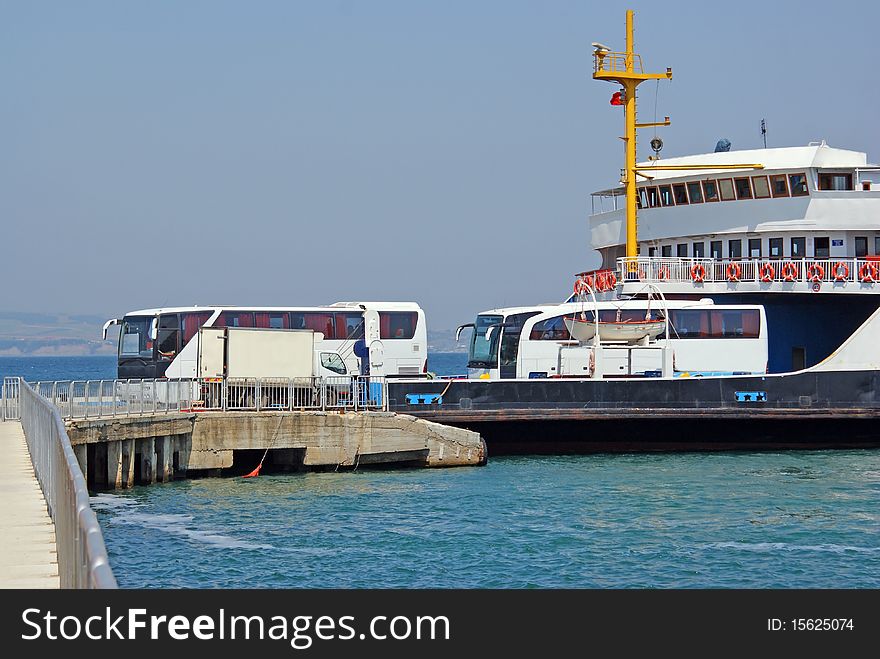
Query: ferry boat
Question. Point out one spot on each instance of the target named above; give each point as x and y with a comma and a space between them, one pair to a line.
789, 237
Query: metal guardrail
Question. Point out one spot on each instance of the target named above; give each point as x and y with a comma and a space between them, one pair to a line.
756, 270
82, 555
93, 399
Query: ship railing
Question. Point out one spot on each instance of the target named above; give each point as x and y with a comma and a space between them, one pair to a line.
611, 61
96, 399
764, 271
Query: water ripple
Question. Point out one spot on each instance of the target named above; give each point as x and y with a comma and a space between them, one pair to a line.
737, 520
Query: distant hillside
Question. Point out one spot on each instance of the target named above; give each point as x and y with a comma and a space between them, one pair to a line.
444, 341
63, 334
24, 333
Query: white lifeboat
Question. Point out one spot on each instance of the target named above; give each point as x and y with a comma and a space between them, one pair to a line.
584, 329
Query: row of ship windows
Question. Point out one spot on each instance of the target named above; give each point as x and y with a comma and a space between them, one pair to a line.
725, 189
821, 248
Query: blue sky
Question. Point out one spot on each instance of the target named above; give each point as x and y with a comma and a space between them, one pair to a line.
306, 152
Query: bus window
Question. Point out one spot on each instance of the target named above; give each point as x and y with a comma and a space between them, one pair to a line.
313, 320
715, 324
235, 319
731, 324
191, 323
552, 329
397, 324
689, 324
352, 323
169, 335
134, 338
267, 320
510, 342
483, 350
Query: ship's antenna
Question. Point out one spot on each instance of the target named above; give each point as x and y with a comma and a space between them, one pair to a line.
764, 132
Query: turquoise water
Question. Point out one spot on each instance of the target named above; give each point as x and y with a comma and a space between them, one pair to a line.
731, 520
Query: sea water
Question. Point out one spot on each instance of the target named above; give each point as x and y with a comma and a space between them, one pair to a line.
680, 520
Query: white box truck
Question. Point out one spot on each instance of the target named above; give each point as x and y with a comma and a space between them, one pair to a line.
286, 362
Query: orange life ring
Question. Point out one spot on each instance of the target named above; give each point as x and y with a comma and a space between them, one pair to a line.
838, 275
698, 273
868, 273
610, 280
734, 272
789, 271
816, 272
589, 281
600, 281
767, 272
580, 286
663, 273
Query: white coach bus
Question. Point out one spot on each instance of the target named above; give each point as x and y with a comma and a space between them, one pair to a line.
379, 338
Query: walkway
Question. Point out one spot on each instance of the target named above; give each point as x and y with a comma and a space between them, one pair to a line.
28, 556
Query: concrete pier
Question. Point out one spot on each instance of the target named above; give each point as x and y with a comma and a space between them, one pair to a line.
148, 449
28, 557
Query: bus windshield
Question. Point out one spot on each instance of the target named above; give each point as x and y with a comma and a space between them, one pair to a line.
483, 352
134, 337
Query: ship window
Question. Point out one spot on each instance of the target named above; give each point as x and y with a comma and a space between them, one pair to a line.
735, 249
653, 199
798, 248
761, 187
743, 188
666, 250
861, 245
681, 250
877, 245
665, 195
776, 248
820, 248
798, 184
779, 185
715, 249
755, 248
397, 324
710, 190
699, 250
725, 185
643, 198
695, 193
835, 181
652, 251
680, 194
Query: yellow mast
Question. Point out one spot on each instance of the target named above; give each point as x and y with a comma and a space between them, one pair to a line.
626, 69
